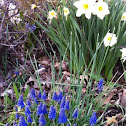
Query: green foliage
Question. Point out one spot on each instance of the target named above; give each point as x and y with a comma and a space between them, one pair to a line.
82, 38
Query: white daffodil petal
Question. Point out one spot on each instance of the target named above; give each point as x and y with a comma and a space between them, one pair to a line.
88, 15
84, 7
77, 4
79, 12
123, 50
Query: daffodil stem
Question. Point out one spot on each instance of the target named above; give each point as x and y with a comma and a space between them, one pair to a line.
103, 60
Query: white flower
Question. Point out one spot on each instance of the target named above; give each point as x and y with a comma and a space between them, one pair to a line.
1, 2
123, 50
33, 6
110, 39
101, 9
52, 14
84, 7
16, 19
12, 9
66, 11
123, 17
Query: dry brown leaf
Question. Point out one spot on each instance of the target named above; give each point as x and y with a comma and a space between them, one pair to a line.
111, 120
84, 90
63, 63
65, 73
35, 82
123, 99
83, 77
107, 100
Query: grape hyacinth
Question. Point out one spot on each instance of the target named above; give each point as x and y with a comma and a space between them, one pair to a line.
36, 101
43, 97
32, 93
63, 101
42, 119
17, 115
52, 113
39, 109
31, 28
68, 124
55, 97
7, 124
17, 73
74, 125
22, 121
60, 96
21, 102
39, 95
62, 117
75, 113
28, 102
15, 124
67, 107
93, 119
27, 110
44, 111
29, 120
100, 85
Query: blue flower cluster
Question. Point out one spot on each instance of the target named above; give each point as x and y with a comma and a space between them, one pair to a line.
31, 28
43, 111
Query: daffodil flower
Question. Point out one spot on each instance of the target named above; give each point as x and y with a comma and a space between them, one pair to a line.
84, 7
123, 17
110, 39
123, 50
66, 12
101, 9
52, 14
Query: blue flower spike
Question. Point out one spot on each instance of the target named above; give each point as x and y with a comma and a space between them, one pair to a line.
55, 97
52, 113
60, 96
75, 113
27, 110
35, 100
93, 119
17, 73
100, 85
41, 124
62, 117
17, 116
39, 95
7, 124
22, 121
32, 93
21, 102
28, 102
67, 107
29, 120
42, 119
63, 101
44, 95
31, 28
15, 124
39, 109
44, 110
68, 124
74, 125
